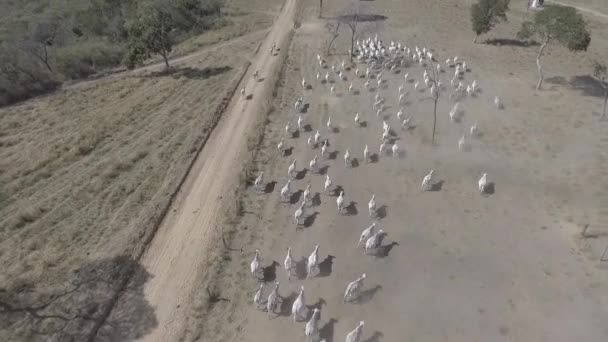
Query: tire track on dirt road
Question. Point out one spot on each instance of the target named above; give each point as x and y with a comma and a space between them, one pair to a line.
182, 241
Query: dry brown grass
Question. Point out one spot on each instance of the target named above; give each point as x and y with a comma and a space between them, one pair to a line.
82, 170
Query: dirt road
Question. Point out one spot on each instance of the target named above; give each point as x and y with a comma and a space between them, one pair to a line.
173, 256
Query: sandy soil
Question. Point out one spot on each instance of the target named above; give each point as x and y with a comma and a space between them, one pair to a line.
458, 266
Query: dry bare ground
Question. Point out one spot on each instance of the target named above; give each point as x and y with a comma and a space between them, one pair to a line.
456, 265
86, 174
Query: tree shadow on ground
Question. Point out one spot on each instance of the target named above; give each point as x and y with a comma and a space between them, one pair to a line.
510, 42
78, 310
191, 73
361, 18
588, 85
559, 80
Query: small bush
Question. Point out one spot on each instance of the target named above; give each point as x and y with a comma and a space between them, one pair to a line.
82, 60
486, 13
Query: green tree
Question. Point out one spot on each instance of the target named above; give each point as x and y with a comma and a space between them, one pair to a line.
600, 73
150, 33
561, 24
485, 14
191, 14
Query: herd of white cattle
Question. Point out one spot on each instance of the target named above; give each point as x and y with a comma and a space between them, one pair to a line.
378, 58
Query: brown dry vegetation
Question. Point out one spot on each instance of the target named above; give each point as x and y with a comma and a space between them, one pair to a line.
86, 173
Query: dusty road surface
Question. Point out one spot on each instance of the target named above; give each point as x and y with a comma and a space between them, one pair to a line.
182, 241
455, 265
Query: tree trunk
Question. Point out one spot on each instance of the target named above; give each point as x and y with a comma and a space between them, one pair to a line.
45, 58
331, 42
605, 102
475, 39
166, 59
352, 46
434, 119
46, 63
539, 66
334, 36
320, 8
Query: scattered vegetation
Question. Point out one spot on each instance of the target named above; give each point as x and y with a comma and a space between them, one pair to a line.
561, 24
485, 14
46, 43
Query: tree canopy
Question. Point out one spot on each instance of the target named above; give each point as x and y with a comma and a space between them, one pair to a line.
150, 33
560, 23
557, 23
485, 14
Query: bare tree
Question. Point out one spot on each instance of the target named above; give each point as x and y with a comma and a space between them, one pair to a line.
351, 18
600, 73
333, 28
41, 39
435, 95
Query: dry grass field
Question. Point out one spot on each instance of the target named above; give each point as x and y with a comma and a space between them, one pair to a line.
86, 174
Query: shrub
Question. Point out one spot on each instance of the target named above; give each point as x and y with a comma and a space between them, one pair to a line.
84, 59
487, 13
